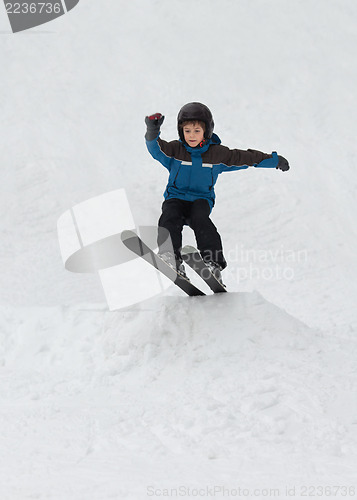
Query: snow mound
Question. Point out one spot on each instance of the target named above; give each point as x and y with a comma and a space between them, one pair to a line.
222, 380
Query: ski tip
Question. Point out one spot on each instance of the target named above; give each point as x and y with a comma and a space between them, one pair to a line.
127, 234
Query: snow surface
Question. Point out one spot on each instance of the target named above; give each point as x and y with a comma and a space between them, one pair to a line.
256, 389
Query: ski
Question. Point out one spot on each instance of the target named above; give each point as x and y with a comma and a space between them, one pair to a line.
134, 243
192, 257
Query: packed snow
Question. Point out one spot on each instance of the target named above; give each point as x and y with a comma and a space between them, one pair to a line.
247, 394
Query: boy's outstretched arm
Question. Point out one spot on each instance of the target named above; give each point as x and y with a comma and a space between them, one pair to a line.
236, 159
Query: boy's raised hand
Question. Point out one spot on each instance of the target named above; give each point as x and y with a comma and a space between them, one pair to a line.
283, 164
153, 124
156, 118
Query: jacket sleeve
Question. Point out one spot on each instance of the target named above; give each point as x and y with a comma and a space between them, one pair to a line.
160, 150
237, 159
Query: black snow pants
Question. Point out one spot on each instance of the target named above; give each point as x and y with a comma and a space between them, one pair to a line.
176, 213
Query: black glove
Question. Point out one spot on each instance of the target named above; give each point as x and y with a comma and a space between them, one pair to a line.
283, 164
153, 124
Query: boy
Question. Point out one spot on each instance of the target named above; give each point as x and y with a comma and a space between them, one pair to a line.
194, 163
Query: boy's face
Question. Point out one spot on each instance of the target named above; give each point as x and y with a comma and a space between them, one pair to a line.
193, 134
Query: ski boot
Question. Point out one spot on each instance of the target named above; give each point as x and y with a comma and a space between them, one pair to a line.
216, 270
176, 264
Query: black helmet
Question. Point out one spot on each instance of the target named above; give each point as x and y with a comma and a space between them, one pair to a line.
195, 111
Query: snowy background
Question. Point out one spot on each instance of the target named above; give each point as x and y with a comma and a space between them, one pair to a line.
256, 389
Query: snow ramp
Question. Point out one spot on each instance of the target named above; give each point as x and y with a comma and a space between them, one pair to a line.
224, 391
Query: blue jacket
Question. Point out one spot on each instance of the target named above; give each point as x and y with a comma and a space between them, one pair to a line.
194, 171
